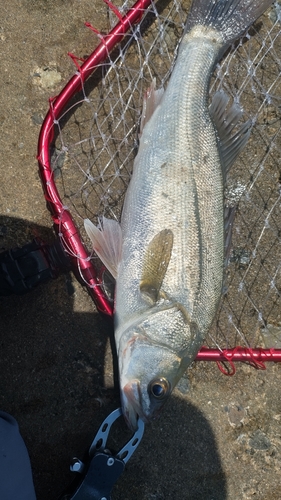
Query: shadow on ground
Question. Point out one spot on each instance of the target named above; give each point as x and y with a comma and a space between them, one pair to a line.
57, 381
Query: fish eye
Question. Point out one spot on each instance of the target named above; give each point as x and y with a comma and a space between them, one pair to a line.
159, 388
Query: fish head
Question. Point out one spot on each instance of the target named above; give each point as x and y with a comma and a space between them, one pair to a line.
152, 356
146, 379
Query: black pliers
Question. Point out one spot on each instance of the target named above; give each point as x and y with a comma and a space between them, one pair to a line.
102, 469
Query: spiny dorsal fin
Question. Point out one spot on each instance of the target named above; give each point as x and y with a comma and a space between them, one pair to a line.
225, 121
155, 264
151, 100
107, 242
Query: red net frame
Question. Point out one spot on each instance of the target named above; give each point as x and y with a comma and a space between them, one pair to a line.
64, 224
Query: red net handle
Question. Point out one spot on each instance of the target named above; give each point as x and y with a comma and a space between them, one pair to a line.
63, 222
255, 357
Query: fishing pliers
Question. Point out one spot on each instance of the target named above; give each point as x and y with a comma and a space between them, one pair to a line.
100, 471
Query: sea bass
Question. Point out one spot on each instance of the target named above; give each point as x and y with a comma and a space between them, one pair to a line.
169, 265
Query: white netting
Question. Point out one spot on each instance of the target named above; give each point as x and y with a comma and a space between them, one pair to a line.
98, 140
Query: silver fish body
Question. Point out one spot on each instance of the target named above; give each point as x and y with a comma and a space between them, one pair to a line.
170, 272
177, 184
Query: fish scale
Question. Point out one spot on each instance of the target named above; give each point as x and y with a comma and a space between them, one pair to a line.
181, 192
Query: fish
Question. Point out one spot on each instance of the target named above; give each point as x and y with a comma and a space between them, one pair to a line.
167, 255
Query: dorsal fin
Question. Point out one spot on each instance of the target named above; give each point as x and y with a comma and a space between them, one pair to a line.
107, 242
225, 121
155, 264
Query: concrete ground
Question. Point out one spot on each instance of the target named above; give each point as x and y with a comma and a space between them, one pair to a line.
221, 440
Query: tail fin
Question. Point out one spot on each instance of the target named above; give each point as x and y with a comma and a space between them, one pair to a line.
230, 17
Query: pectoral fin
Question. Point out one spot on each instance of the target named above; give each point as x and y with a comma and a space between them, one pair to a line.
107, 242
155, 264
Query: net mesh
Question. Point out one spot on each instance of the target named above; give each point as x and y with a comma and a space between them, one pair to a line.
97, 140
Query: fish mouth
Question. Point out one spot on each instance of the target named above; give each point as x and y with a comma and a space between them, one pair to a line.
131, 404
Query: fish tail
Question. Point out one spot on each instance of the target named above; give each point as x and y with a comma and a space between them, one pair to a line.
230, 17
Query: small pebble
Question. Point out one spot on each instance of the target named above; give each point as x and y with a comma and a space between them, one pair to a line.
259, 441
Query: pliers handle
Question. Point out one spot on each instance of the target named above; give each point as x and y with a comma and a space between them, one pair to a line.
100, 473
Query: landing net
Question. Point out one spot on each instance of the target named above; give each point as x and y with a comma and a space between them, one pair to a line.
89, 140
